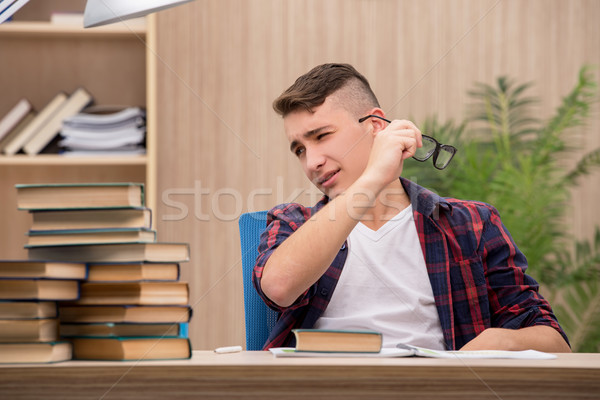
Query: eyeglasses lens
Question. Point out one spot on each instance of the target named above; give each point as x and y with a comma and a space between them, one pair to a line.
424, 152
444, 157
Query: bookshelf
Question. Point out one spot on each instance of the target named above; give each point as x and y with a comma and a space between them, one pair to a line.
113, 62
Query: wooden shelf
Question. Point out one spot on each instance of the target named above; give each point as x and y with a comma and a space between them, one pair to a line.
35, 28
55, 159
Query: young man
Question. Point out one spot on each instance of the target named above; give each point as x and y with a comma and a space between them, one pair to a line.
380, 252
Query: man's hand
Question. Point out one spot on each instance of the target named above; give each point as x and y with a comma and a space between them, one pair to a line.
539, 337
391, 146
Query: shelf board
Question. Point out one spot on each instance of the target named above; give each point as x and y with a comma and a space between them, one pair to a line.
58, 160
36, 28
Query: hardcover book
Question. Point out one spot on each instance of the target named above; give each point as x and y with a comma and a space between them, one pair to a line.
105, 330
327, 340
131, 349
124, 313
42, 269
139, 293
109, 218
36, 123
49, 130
124, 272
79, 195
29, 330
125, 252
39, 289
89, 236
32, 352
13, 309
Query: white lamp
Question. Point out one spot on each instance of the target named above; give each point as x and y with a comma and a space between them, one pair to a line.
101, 12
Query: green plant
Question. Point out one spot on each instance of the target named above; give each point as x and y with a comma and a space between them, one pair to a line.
517, 163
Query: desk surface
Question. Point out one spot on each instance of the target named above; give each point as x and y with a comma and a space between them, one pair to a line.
261, 376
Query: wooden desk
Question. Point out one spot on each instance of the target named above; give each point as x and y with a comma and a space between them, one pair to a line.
258, 375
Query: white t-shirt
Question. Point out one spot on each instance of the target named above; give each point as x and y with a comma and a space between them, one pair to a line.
384, 286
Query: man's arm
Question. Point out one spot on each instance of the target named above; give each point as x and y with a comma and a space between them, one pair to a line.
305, 256
538, 337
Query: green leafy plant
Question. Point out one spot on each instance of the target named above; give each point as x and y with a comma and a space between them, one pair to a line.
516, 162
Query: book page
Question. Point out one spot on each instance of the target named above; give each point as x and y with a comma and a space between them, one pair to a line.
385, 352
525, 354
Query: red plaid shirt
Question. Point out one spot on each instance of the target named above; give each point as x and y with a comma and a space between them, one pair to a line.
476, 271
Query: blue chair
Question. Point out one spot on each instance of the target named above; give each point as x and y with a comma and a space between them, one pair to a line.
260, 319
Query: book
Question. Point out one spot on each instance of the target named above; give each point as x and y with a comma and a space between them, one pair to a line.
12, 7
124, 313
138, 217
44, 135
29, 330
42, 269
139, 293
39, 289
404, 350
35, 352
89, 236
36, 123
28, 309
133, 272
102, 253
329, 340
124, 330
16, 130
61, 196
12, 118
131, 349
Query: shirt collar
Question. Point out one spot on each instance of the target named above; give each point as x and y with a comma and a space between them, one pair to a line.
423, 201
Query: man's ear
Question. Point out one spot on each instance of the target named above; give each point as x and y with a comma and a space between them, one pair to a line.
377, 123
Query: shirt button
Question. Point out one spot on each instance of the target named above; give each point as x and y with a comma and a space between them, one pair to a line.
324, 291
343, 247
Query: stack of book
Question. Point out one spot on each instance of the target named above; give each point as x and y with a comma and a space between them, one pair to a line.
29, 292
131, 304
105, 131
33, 132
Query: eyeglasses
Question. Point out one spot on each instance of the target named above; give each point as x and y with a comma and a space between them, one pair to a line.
442, 153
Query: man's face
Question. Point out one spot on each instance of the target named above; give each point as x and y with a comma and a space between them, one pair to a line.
332, 147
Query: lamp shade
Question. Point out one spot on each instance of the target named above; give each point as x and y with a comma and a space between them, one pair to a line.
101, 12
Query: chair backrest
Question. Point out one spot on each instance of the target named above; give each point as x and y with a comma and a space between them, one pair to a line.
260, 319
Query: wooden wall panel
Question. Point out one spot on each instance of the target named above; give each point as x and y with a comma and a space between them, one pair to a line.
221, 148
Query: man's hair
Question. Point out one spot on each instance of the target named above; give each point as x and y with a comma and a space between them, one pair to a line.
351, 88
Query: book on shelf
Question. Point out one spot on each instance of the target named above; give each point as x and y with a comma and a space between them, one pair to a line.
124, 330
89, 236
67, 18
18, 141
9, 7
125, 252
131, 349
29, 330
44, 135
14, 116
42, 352
16, 131
42, 269
138, 293
134, 217
13, 309
39, 289
328, 340
133, 272
61, 196
124, 313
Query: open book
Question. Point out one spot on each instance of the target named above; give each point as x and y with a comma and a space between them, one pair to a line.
403, 350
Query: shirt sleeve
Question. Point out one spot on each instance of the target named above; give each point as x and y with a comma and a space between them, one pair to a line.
515, 301
282, 221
